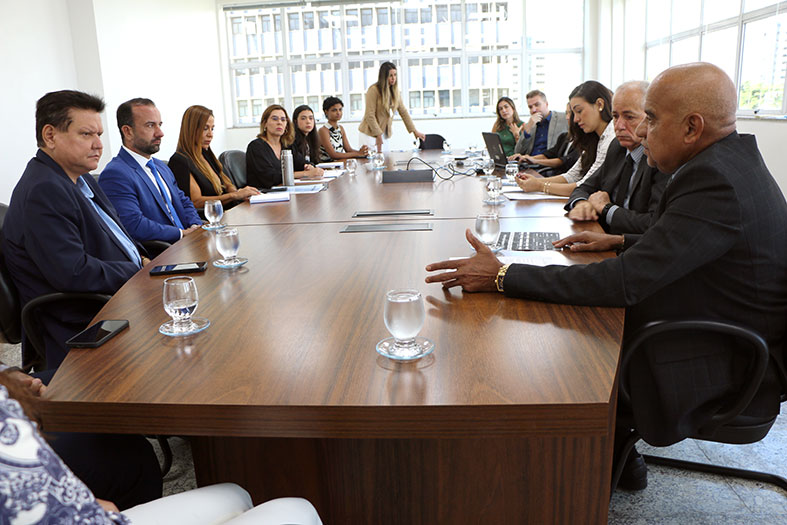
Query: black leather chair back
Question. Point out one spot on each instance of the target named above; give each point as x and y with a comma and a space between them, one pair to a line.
432, 141
695, 379
10, 309
234, 162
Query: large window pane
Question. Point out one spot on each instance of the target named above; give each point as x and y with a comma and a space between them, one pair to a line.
716, 10
685, 15
719, 48
657, 60
763, 64
658, 18
752, 5
685, 50
541, 19
556, 75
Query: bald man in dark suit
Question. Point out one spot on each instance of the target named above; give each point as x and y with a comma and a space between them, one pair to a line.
717, 248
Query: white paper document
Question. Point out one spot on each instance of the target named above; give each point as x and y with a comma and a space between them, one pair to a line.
519, 195
276, 196
330, 165
332, 173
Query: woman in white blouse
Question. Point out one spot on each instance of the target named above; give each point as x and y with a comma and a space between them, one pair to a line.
591, 105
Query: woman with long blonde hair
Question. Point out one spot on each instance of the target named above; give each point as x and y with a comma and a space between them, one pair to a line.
198, 172
382, 99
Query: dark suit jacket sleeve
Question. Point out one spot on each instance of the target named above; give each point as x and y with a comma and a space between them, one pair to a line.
591, 185
633, 221
54, 243
116, 182
263, 169
188, 215
700, 222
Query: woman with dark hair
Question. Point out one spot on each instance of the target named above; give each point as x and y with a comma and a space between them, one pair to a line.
591, 105
198, 172
508, 125
306, 146
382, 99
263, 154
333, 139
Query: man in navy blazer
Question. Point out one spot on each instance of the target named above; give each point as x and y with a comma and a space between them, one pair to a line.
142, 188
61, 233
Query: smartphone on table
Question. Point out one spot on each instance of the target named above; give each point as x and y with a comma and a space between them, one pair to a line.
97, 334
171, 269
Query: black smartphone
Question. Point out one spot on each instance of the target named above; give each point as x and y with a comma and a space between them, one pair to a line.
97, 334
169, 269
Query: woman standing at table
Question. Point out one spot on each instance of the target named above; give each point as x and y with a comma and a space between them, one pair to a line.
263, 154
508, 125
591, 105
382, 99
198, 172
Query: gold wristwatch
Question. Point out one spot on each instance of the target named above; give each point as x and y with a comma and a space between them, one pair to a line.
501, 274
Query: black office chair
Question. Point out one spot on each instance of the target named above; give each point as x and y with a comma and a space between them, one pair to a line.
10, 319
725, 423
432, 141
155, 248
234, 162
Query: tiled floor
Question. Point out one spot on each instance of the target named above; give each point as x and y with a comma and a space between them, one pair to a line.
672, 496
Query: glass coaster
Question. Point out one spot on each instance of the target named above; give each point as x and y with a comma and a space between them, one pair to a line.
420, 348
208, 227
198, 325
498, 200
222, 263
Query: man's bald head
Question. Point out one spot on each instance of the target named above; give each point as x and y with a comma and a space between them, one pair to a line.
689, 107
702, 88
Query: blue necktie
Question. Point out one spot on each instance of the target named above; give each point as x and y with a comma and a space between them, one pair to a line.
164, 193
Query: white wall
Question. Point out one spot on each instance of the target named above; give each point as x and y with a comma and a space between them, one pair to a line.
32, 62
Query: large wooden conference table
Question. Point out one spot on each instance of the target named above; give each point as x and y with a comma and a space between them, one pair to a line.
510, 420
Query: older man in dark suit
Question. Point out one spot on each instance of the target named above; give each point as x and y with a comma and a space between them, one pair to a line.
624, 193
717, 248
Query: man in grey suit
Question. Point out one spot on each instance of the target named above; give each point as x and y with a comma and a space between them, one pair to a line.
717, 249
541, 131
623, 194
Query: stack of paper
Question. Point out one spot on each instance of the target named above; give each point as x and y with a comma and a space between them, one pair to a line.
274, 196
333, 173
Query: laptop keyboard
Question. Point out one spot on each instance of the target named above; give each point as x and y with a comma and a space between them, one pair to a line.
527, 241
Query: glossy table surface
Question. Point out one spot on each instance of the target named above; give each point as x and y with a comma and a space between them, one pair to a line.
290, 353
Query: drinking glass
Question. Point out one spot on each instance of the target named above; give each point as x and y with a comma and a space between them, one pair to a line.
378, 159
404, 317
228, 243
214, 211
351, 165
512, 169
488, 165
494, 187
180, 302
487, 228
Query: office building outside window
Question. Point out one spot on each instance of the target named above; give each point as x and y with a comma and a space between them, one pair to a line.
454, 58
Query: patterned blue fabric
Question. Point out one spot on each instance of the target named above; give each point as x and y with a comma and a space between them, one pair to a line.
35, 485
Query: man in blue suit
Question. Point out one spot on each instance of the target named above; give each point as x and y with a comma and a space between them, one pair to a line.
143, 189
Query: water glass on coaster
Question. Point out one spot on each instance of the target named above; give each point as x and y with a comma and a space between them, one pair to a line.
214, 211
378, 159
227, 244
180, 302
404, 317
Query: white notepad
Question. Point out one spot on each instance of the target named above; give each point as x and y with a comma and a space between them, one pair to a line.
330, 165
276, 196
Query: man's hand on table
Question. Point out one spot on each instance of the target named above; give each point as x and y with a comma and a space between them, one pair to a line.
474, 274
598, 200
583, 211
590, 242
